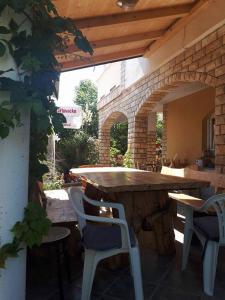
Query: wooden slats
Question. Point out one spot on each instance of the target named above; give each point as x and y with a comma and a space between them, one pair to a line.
78, 63
201, 5
118, 34
153, 35
173, 12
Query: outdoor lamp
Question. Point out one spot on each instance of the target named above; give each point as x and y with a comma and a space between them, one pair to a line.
126, 4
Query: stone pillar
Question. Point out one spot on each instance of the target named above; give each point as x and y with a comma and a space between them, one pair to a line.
138, 142
104, 146
220, 129
14, 164
164, 135
151, 138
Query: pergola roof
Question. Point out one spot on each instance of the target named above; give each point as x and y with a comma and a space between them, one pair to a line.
116, 34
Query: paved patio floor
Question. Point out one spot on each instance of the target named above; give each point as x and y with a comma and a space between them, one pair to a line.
162, 279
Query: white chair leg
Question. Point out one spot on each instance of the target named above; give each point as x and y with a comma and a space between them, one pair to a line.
188, 232
90, 263
136, 272
209, 267
186, 247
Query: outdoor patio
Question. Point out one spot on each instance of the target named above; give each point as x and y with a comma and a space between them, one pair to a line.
162, 279
158, 104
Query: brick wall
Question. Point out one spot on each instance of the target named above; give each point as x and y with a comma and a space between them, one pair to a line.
203, 62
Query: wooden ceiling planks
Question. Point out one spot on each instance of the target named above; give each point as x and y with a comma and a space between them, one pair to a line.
152, 35
126, 29
77, 63
201, 5
113, 32
172, 12
78, 9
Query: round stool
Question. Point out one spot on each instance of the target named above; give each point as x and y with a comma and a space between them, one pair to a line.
57, 237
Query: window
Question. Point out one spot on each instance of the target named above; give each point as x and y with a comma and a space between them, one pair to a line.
208, 145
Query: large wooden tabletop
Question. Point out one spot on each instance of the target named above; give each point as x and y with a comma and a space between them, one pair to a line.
144, 196
110, 180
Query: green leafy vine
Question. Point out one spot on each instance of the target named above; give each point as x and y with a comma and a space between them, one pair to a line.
29, 232
37, 72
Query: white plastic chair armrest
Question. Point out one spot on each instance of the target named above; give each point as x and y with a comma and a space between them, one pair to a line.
122, 223
117, 206
209, 202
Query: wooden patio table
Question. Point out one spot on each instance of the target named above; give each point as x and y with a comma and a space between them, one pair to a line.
144, 196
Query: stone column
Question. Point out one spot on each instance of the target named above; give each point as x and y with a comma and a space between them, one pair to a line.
164, 135
151, 138
138, 140
220, 129
14, 164
104, 145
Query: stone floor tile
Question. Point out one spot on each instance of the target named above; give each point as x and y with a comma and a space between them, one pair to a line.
162, 279
123, 288
166, 293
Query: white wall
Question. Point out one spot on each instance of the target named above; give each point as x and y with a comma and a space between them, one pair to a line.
14, 160
109, 78
135, 69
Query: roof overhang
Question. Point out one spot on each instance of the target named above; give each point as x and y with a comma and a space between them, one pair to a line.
116, 34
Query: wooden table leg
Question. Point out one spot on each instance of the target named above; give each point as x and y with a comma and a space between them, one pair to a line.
150, 213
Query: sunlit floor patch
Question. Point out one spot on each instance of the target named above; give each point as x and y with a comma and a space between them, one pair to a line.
179, 236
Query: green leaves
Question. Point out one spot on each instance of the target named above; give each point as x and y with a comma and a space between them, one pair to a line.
4, 30
30, 63
13, 25
82, 43
2, 49
4, 131
30, 231
8, 250
33, 227
6, 71
9, 118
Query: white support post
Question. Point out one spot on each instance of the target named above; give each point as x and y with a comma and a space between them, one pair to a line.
14, 164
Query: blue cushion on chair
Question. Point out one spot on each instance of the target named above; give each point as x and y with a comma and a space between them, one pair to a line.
104, 237
208, 226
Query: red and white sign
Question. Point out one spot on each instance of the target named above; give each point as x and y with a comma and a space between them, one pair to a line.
73, 115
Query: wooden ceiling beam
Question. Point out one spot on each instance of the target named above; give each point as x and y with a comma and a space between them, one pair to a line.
101, 59
173, 12
200, 6
152, 35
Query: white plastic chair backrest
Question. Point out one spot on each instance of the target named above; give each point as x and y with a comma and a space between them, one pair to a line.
218, 203
172, 171
76, 198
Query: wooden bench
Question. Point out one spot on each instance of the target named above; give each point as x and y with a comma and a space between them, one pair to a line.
217, 180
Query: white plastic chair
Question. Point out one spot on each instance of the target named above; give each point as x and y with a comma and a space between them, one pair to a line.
211, 232
92, 254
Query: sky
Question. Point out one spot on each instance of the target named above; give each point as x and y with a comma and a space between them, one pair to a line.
69, 80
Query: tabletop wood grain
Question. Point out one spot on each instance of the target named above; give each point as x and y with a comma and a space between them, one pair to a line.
125, 180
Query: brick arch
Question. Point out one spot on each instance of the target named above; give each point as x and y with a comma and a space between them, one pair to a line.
157, 91
111, 119
104, 135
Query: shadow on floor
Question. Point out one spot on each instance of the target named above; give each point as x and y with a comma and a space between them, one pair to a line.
162, 279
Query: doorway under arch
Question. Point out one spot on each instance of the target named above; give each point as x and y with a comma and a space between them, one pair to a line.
113, 136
